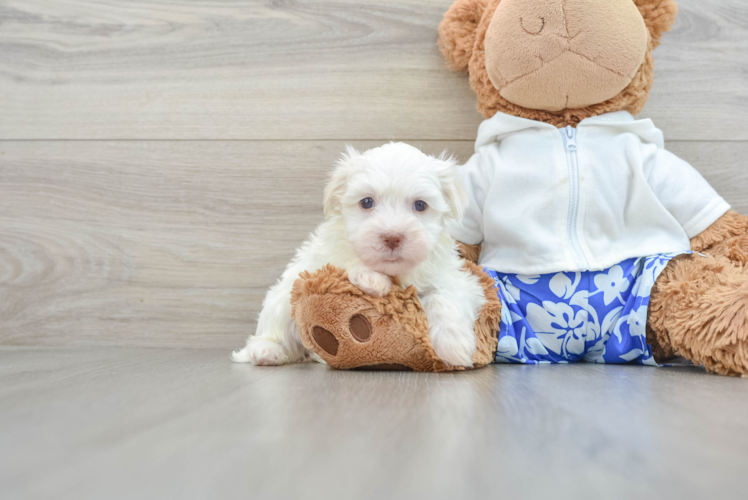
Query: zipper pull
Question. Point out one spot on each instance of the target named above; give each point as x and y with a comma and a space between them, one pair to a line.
571, 138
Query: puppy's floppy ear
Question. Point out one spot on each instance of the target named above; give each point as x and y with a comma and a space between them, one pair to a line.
446, 168
457, 32
659, 16
335, 189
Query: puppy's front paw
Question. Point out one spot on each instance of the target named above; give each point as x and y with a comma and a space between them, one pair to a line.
370, 282
261, 352
453, 342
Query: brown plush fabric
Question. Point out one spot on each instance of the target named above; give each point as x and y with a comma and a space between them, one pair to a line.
390, 332
457, 32
470, 253
659, 16
564, 54
727, 237
699, 307
662, 349
468, 21
726, 243
488, 322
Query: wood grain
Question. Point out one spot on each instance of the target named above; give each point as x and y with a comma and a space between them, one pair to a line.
363, 69
152, 243
175, 243
91, 423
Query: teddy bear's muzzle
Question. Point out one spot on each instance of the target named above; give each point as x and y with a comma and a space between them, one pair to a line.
564, 54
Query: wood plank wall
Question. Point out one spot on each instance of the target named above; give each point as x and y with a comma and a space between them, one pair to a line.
160, 160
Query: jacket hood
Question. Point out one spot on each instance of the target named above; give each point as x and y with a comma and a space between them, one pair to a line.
501, 125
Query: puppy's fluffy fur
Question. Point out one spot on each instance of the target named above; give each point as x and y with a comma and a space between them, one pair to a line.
391, 178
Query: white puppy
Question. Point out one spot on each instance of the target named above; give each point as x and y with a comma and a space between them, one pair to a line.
386, 215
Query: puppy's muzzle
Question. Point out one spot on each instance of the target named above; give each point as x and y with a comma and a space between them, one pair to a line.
392, 240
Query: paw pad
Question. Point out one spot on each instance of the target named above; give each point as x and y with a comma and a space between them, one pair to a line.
326, 340
360, 328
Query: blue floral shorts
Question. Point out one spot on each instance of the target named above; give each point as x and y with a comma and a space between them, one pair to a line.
593, 316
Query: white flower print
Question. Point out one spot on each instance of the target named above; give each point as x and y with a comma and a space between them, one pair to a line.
637, 321
534, 346
632, 354
509, 351
566, 317
509, 317
657, 264
582, 299
637, 285
529, 279
596, 353
611, 319
507, 347
612, 284
562, 286
512, 294
558, 327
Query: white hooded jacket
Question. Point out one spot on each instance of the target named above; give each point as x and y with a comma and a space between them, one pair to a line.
545, 200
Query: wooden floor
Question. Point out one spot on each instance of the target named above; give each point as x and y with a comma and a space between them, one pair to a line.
160, 160
80, 423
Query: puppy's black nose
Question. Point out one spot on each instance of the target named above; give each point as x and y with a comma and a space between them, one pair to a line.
392, 240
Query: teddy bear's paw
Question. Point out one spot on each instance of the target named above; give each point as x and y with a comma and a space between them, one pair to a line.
358, 327
261, 352
453, 342
369, 281
349, 329
353, 346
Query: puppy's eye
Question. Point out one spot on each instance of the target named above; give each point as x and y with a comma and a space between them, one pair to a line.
420, 206
366, 203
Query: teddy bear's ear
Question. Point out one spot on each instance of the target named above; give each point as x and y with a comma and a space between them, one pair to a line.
659, 16
457, 32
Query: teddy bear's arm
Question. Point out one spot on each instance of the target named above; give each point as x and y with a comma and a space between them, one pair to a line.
470, 253
350, 329
728, 236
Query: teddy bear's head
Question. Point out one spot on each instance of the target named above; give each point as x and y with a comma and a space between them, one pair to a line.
557, 61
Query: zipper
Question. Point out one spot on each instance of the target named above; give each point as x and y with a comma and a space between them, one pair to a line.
570, 142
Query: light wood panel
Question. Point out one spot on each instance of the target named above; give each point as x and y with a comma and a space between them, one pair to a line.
175, 243
93, 423
362, 69
152, 243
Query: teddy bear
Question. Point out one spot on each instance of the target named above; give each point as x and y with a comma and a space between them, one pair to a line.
599, 244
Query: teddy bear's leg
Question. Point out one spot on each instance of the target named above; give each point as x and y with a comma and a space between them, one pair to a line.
699, 307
